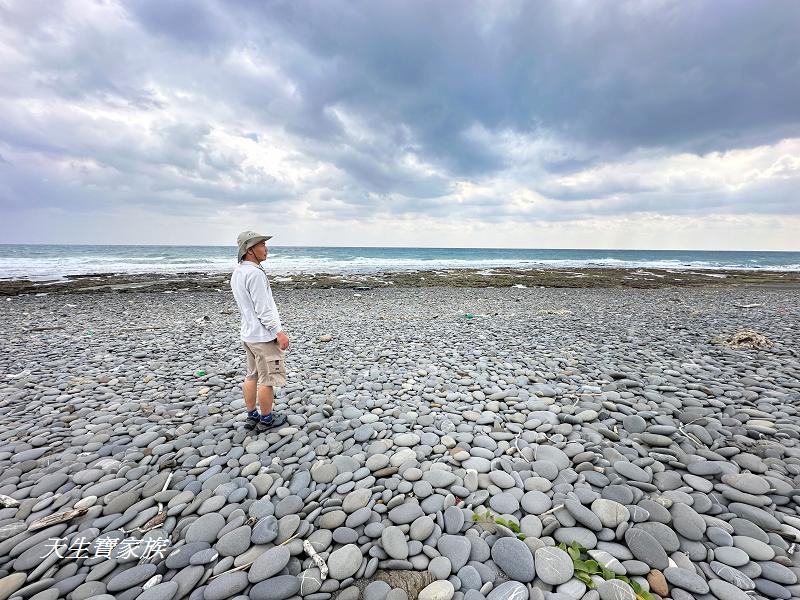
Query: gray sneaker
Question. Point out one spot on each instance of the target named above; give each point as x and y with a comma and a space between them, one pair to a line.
277, 421
251, 422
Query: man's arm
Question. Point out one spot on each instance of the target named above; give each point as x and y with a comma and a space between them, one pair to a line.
266, 311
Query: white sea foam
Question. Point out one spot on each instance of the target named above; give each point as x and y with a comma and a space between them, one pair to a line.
61, 261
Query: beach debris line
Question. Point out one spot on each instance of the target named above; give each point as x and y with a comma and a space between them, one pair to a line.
744, 339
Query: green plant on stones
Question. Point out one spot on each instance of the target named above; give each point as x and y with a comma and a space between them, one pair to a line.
488, 517
585, 567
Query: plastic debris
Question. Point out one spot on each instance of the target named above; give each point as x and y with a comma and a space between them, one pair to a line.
200, 373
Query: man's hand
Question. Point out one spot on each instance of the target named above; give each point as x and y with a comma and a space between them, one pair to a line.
283, 340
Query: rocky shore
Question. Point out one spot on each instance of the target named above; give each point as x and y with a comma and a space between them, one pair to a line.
444, 443
464, 278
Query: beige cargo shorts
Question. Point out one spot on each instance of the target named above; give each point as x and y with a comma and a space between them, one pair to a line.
265, 363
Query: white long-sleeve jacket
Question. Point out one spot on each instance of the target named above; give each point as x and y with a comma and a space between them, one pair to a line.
260, 319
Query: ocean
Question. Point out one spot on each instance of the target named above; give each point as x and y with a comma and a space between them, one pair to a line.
50, 262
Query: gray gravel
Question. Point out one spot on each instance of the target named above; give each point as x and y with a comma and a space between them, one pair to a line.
602, 416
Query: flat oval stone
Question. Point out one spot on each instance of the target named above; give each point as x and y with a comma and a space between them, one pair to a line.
225, 586
405, 513
456, 548
515, 559
438, 590
269, 564
344, 562
131, 577
610, 513
205, 528
724, 590
553, 565
394, 542
686, 579
747, 482
646, 549
687, 522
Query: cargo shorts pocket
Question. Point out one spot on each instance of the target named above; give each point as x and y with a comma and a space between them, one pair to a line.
276, 372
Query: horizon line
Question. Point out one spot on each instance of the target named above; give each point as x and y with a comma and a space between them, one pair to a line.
401, 247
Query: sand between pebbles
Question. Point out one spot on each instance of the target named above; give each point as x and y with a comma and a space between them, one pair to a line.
605, 417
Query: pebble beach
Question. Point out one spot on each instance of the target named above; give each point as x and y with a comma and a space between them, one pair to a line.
447, 443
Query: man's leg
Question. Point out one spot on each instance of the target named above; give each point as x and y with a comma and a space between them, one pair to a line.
265, 398
249, 391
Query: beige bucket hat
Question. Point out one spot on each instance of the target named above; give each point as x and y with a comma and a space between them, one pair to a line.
248, 239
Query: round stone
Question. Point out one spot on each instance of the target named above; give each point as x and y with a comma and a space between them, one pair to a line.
731, 556
394, 542
503, 503
162, 591
406, 440
234, 542
687, 522
205, 529
438, 590
377, 590
510, 590
646, 548
610, 513
686, 579
536, 502
131, 577
632, 472
439, 478
614, 589
440, 567
515, 559
405, 513
553, 565
344, 562
502, 479
634, 424
265, 530
747, 482
276, 588
269, 564
755, 549
726, 591
453, 519
455, 547
324, 473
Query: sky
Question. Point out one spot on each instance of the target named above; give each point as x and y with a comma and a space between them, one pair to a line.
549, 124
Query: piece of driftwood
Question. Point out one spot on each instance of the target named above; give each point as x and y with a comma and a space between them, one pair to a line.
56, 518
8, 501
323, 568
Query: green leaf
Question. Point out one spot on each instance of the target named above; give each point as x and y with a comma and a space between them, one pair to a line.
563, 546
521, 536
476, 517
574, 554
635, 585
585, 578
607, 574
513, 526
592, 566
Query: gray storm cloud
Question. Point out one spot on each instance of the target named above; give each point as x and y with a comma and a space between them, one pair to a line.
355, 109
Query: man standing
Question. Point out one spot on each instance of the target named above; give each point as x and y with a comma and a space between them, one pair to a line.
262, 335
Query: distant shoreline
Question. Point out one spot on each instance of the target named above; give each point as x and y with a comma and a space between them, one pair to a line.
585, 277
